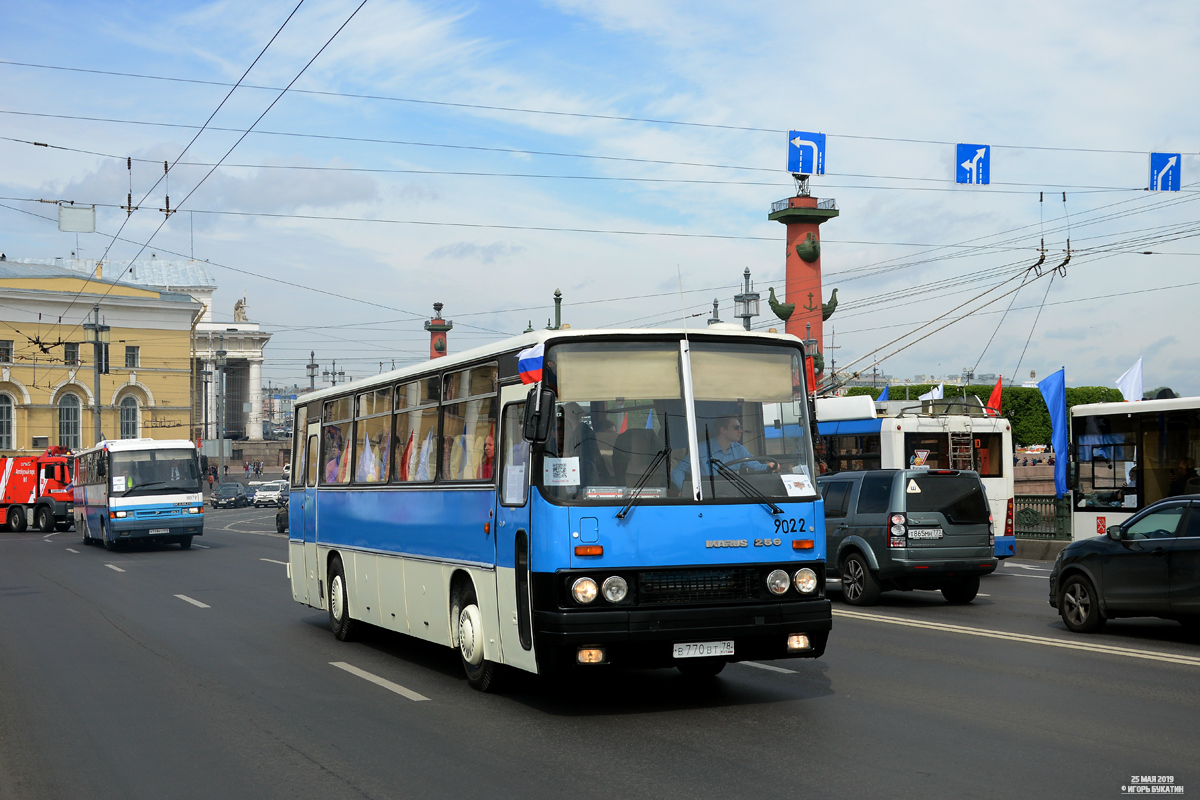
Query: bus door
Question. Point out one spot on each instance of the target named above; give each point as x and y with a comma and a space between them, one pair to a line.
512, 528
308, 512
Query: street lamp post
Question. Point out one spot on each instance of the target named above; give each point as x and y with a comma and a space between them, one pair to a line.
98, 335
745, 305
222, 361
333, 375
312, 370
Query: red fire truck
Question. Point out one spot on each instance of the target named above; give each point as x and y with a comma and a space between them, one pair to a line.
36, 490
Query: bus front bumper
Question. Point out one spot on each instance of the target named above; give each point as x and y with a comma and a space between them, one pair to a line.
646, 637
172, 528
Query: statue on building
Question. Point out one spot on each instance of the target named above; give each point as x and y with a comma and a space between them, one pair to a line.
239, 311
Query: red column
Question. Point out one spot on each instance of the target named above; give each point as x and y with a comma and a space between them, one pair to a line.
803, 217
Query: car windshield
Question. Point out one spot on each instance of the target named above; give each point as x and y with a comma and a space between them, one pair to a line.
228, 489
142, 472
621, 404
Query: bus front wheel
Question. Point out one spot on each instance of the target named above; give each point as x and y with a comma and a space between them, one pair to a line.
482, 675
185, 543
339, 606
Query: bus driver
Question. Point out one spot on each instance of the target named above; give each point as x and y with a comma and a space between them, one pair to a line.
727, 447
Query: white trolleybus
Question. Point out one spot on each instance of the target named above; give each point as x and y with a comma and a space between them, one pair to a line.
138, 490
856, 434
1126, 456
630, 509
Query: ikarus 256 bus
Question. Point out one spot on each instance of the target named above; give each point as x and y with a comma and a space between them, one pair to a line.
566, 499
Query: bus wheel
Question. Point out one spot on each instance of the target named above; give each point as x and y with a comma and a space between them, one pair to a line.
185, 543
16, 519
45, 519
481, 674
700, 667
339, 607
859, 586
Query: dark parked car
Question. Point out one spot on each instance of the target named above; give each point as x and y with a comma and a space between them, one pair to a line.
229, 495
907, 529
281, 516
1148, 566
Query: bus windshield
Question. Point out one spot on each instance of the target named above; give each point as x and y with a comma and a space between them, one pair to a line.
622, 421
143, 472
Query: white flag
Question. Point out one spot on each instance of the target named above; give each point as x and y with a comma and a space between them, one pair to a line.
1130, 383
935, 393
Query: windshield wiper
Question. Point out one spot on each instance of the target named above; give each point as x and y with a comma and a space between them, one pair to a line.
659, 457
175, 484
743, 485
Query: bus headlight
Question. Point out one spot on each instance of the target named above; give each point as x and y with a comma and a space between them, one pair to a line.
196, 509
584, 590
778, 581
805, 580
120, 514
615, 589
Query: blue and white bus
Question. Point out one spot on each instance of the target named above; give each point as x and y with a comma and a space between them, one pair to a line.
139, 490
560, 525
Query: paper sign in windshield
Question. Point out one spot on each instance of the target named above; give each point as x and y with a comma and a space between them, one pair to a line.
560, 471
514, 485
118, 483
797, 485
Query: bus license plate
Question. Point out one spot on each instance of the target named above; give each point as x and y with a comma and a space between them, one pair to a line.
702, 649
153, 531
924, 533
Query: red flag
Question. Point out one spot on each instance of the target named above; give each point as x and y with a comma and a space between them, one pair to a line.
993, 403
624, 423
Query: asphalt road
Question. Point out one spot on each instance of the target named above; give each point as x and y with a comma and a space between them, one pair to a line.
176, 674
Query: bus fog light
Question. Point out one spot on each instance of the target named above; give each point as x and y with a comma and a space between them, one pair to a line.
615, 589
805, 580
778, 581
590, 655
798, 641
584, 590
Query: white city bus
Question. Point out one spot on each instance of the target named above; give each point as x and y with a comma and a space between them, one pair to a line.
1126, 456
856, 434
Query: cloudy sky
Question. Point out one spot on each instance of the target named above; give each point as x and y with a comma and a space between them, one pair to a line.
483, 155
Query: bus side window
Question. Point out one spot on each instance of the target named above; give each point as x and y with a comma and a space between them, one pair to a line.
514, 469
311, 462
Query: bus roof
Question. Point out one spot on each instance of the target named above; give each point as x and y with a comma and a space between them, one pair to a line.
128, 445
530, 339
1139, 407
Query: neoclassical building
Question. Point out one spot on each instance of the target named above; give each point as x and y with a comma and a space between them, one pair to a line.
48, 386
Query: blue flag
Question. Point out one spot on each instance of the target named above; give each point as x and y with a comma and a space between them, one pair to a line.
1054, 392
882, 395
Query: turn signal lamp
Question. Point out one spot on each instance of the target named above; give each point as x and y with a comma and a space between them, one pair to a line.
1008, 519
589, 549
802, 544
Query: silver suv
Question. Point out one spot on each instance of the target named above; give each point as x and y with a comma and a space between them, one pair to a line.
907, 529
270, 494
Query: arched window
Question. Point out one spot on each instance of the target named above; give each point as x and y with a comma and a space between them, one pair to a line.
129, 417
68, 422
6, 422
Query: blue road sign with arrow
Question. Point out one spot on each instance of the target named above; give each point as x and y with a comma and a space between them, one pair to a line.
806, 153
1166, 172
973, 164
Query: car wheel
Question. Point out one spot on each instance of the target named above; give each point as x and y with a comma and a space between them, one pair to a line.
482, 675
859, 586
700, 667
45, 519
16, 519
185, 543
339, 605
1079, 605
961, 592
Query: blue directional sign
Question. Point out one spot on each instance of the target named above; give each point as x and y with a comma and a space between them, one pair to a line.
1166, 172
806, 153
973, 164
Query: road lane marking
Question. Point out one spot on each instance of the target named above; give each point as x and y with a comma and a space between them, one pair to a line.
202, 546
1046, 641
70, 550
196, 603
378, 681
1035, 577
768, 667
1024, 566
273, 561
939, 591
114, 568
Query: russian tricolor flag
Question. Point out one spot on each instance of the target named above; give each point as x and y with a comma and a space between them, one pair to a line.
529, 363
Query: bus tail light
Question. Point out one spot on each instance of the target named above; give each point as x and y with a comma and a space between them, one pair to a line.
1008, 519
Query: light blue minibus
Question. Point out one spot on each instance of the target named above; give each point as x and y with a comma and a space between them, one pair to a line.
565, 499
139, 490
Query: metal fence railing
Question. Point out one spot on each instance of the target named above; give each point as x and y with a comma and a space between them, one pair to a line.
1041, 516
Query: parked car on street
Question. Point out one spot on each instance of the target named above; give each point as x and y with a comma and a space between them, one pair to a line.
907, 529
281, 516
270, 494
1148, 566
229, 495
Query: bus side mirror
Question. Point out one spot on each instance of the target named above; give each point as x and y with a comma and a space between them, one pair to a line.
539, 412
